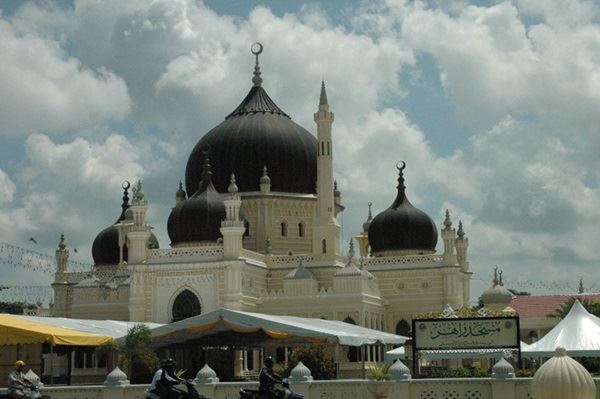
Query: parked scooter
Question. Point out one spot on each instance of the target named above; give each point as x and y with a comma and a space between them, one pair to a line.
191, 393
284, 393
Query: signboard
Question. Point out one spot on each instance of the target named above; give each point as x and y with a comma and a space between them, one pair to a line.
466, 333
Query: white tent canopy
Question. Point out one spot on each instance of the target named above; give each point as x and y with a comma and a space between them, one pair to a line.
233, 327
496, 353
578, 333
109, 328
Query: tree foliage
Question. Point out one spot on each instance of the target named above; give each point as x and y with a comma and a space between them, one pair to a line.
15, 307
136, 355
313, 357
590, 305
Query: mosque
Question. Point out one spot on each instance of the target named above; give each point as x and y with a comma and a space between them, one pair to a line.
255, 228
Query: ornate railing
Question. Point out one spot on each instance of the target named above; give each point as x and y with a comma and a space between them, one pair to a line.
403, 260
186, 252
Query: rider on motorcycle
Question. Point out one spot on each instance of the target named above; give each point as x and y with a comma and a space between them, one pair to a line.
164, 381
19, 387
267, 380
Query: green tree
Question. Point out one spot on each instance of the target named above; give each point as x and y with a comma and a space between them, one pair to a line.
313, 357
591, 306
15, 307
136, 355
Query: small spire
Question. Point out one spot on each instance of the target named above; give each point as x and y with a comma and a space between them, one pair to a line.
351, 251
323, 98
125, 204
61, 244
460, 233
447, 221
180, 194
367, 223
268, 246
580, 289
336, 191
500, 282
233, 188
206, 167
495, 276
138, 192
265, 179
401, 187
256, 49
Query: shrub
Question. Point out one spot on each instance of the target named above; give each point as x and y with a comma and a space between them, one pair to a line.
313, 357
379, 372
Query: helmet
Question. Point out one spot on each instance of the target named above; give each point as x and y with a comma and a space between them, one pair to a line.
269, 361
19, 363
285, 382
167, 362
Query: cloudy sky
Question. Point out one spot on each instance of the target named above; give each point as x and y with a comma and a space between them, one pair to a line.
493, 105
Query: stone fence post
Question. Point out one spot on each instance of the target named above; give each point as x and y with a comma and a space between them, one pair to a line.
503, 380
301, 380
206, 380
562, 378
114, 385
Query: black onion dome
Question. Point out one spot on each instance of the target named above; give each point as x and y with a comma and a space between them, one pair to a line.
402, 227
255, 134
105, 249
199, 217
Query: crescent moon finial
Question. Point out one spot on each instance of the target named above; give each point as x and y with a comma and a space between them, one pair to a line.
126, 185
401, 168
256, 48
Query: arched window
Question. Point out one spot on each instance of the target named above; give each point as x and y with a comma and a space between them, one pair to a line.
353, 351
186, 305
403, 328
284, 227
324, 246
301, 229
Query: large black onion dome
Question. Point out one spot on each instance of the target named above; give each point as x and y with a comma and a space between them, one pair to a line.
402, 227
105, 249
198, 219
255, 134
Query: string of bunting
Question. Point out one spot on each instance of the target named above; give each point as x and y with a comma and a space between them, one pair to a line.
24, 258
26, 294
550, 286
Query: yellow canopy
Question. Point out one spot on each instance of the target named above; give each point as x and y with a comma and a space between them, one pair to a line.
15, 330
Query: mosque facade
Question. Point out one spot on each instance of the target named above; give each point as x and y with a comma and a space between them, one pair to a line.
255, 228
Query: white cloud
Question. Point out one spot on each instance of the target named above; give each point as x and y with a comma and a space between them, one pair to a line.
42, 88
7, 188
523, 76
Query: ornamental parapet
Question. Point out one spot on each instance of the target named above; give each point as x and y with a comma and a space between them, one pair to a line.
278, 260
432, 259
213, 252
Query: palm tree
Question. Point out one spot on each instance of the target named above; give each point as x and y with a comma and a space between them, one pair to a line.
591, 306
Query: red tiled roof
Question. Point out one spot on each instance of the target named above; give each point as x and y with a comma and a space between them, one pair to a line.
545, 305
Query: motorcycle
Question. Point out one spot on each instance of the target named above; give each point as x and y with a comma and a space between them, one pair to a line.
191, 393
284, 393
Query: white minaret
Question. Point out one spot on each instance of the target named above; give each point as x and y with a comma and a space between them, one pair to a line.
326, 230
462, 243
138, 232
232, 228
449, 236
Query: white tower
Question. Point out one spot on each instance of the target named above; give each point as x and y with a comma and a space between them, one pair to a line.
232, 228
138, 232
326, 230
449, 236
462, 243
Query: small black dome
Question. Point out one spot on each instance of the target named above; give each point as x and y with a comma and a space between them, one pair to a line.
255, 134
402, 227
198, 218
105, 249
